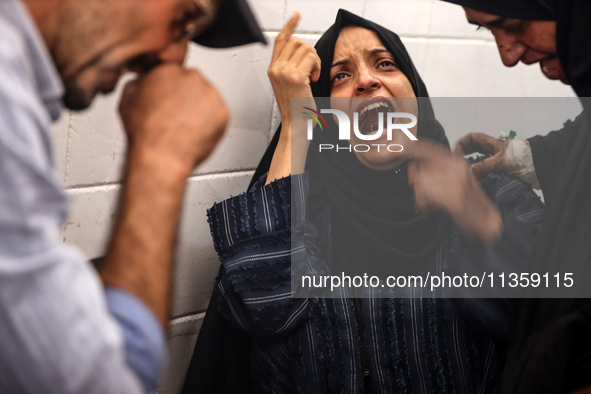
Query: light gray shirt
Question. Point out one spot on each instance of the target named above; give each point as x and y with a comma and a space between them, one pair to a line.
60, 331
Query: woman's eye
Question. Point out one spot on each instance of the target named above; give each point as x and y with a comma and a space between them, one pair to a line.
515, 27
480, 28
386, 63
337, 77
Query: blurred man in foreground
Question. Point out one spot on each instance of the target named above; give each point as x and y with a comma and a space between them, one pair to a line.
62, 330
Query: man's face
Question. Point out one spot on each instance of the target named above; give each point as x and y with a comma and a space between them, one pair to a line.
96, 41
527, 41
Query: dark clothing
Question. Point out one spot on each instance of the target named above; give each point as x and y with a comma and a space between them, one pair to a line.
373, 213
522, 9
326, 345
552, 351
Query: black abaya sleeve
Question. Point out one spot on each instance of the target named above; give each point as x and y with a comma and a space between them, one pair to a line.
549, 150
221, 359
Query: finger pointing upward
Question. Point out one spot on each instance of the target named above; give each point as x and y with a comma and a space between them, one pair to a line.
285, 34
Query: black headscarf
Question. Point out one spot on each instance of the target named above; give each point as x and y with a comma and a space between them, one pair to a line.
552, 351
573, 31
522, 9
373, 219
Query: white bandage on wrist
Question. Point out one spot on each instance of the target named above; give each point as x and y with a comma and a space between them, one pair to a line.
520, 163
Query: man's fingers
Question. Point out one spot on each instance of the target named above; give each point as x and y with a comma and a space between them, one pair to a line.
478, 143
425, 150
486, 166
284, 35
413, 183
412, 171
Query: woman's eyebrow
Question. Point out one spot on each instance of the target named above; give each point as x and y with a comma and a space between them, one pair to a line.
491, 23
369, 52
376, 51
343, 61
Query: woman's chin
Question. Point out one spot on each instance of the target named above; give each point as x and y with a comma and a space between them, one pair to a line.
381, 162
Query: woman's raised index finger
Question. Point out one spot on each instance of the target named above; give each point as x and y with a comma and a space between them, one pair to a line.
285, 34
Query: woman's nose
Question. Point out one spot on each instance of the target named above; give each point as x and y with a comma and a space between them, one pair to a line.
510, 49
366, 81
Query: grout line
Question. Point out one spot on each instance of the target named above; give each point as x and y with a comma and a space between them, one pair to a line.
317, 34
186, 318
66, 164
272, 125
425, 55
284, 13
216, 175
205, 176
449, 38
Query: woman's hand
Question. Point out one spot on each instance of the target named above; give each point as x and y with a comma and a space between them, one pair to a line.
294, 64
446, 183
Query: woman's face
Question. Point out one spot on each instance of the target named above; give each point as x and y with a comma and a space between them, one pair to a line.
522, 40
367, 76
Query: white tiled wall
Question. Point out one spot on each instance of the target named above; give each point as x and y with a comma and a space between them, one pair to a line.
453, 59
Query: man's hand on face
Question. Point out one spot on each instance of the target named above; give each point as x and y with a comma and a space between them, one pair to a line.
174, 116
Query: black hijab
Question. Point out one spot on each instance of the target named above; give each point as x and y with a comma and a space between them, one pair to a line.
373, 219
522, 9
552, 351
573, 31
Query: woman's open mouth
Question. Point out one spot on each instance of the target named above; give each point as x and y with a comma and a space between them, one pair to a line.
373, 115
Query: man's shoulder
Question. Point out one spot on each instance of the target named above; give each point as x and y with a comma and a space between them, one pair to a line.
13, 47
17, 77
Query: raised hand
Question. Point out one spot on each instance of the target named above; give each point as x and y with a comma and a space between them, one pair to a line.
173, 119
175, 115
294, 64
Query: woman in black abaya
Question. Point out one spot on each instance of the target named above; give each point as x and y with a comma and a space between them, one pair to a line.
552, 350
319, 345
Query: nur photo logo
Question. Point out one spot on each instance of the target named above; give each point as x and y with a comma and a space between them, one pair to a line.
369, 124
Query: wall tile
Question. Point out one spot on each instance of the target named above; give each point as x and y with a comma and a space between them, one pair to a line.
472, 68
269, 13
318, 16
181, 342
91, 218
401, 16
469, 68
197, 263
96, 144
240, 74
449, 20
492, 115
60, 143
417, 49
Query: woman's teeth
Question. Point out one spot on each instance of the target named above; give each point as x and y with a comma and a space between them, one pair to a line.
372, 106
